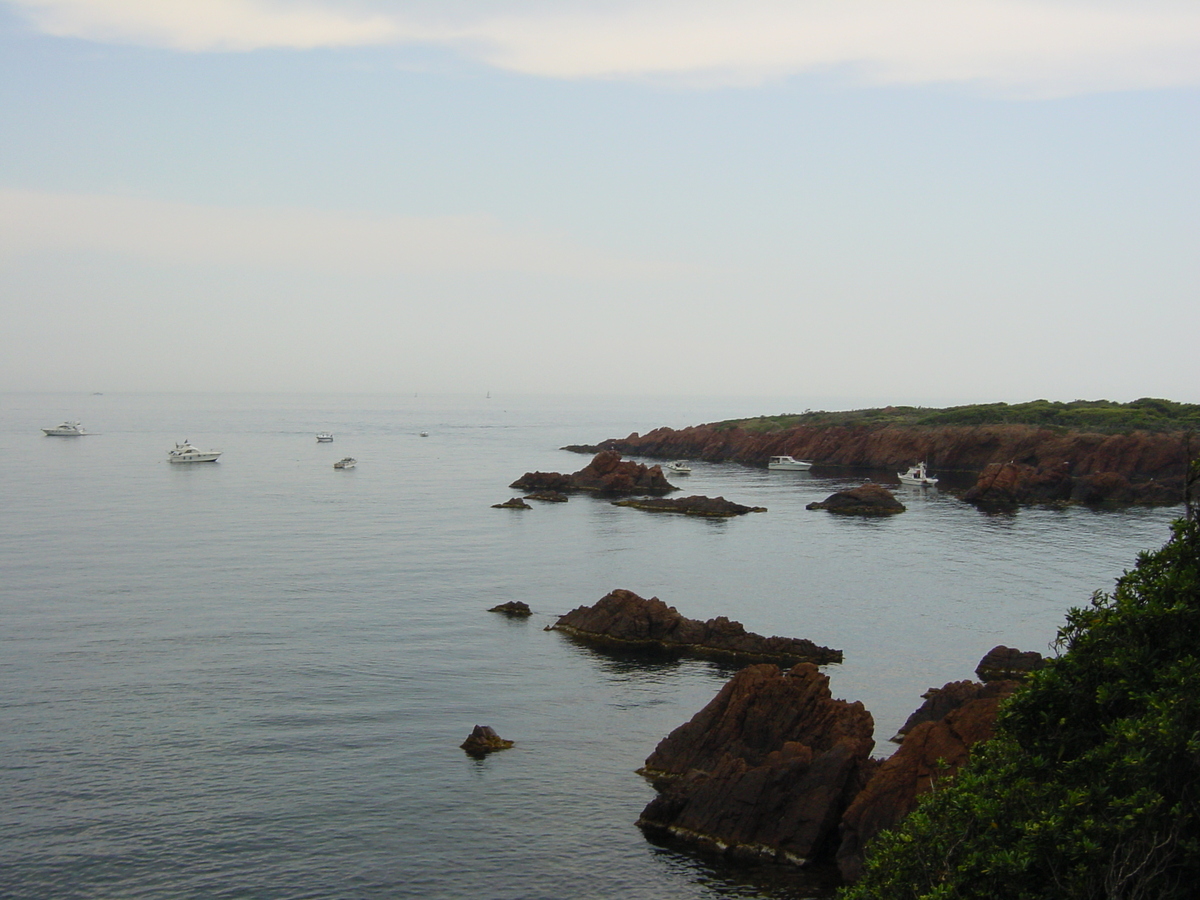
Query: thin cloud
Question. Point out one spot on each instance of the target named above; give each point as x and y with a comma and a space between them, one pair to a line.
1037, 47
33, 222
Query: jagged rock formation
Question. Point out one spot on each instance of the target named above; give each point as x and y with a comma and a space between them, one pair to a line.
715, 507
483, 740
623, 619
765, 769
931, 750
1077, 467
940, 702
867, 500
607, 473
1008, 664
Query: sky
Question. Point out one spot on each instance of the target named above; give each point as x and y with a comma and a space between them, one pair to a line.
927, 202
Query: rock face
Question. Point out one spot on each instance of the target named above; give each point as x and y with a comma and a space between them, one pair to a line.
1078, 467
867, 500
1015, 484
765, 769
483, 740
623, 619
1008, 664
940, 702
607, 473
514, 609
714, 507
931, 750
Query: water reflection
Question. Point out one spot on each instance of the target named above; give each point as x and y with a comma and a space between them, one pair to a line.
748, 879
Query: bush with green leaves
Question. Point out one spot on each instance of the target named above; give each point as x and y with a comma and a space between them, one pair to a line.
1091, 786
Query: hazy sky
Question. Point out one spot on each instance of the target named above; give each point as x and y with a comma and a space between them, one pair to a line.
916, 201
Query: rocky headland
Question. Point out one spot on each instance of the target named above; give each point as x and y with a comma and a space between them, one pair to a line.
622, 619
1013, 464
606, 474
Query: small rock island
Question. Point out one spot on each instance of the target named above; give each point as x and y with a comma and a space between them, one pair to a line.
622, 619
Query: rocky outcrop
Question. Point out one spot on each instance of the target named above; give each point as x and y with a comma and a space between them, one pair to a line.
1019, 484
514, 609
931, 750
607, 474
867, 500
765, 769
1008, 664
483, 740
940, 702
512, 503
1140, 467
623, 619
714, 507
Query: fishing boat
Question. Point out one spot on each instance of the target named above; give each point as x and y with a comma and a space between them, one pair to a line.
346, 462
679, 467
786, 463
324, 437
66, 429
186, 453
917, 475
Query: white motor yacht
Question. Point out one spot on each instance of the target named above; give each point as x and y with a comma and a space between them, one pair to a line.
786, 463
324, 437
917, 475
186, 453
66, 429
679, 467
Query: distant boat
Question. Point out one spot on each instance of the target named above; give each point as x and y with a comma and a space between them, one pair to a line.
679, 467
917, 475
424, 434
186, 453
786, 463
346, 462
324, 437
66, 429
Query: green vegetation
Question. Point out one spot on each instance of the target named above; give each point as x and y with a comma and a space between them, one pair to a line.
1103, 416
1091, 786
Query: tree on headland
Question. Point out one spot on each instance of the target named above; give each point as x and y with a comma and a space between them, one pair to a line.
1091, 786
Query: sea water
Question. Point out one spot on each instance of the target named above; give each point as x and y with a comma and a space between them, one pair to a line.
250, 678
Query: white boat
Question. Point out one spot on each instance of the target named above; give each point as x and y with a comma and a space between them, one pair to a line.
186, 453
679, 467
346, 462
424, 434
324, 437
788, 463
917, 475
66, 429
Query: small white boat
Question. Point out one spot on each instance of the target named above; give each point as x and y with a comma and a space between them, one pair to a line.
346, 462
186, 453
679, 467
788, 463
66, 429
424, 434
917, 475
324, 437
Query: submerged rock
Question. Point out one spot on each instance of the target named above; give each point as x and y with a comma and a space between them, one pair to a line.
483, 740
548, 496
765, 769
867, 500
607, 473
716, 507
624, 619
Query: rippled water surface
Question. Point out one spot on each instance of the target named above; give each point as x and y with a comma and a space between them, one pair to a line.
251, 678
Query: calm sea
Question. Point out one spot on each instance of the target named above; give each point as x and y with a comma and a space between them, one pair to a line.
249, 679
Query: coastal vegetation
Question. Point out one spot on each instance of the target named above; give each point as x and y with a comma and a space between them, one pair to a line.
1090, 787
1100, 416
